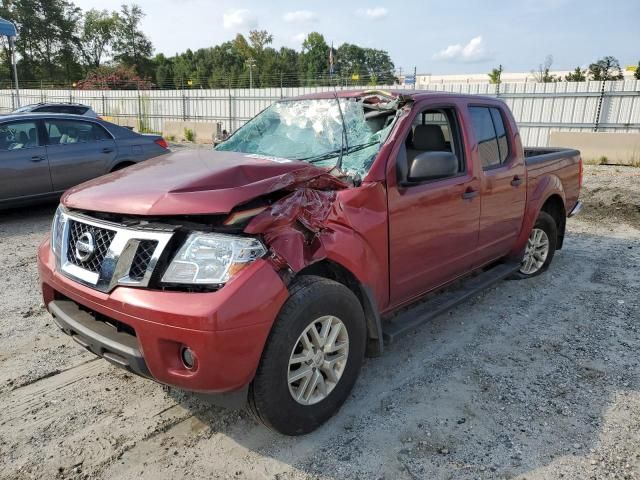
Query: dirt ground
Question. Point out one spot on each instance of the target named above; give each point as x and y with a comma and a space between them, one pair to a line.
532, 379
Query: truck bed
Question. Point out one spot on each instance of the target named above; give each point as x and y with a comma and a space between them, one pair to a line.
535, 155
554, 164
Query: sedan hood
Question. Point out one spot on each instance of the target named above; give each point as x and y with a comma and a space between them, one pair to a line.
191, 182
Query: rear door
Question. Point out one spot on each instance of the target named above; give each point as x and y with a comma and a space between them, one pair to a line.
24, 170
503, 191
78, 150
433, 225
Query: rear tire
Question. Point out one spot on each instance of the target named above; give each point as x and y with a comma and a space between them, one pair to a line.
300, 345
541, 246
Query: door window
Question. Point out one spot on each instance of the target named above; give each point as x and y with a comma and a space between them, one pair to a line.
62, 132
18, 135
493, 145
501, 133
433, 130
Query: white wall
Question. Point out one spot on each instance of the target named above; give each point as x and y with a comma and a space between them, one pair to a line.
539, 108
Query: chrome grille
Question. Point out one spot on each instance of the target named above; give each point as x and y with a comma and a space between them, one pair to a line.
102, 238
121, 255
141, 259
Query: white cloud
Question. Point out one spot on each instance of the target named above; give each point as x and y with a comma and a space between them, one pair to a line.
300, 16
298, 39
239, 19
474, 51
375, 13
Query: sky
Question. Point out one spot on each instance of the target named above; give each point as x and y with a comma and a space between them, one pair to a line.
434, 36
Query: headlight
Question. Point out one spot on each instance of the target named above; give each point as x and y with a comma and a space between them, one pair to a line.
57, 231
212, 258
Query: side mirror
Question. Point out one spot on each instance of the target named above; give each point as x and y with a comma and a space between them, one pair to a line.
432, 165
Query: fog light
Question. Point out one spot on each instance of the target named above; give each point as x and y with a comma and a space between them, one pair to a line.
188, 357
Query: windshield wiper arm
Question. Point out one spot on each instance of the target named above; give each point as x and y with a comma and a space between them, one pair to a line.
334, 153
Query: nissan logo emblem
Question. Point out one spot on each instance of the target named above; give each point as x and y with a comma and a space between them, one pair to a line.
85, 247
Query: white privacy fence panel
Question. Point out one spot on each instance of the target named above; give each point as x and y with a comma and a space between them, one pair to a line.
539, 108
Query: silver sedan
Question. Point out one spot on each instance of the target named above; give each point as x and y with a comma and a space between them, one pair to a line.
42, 155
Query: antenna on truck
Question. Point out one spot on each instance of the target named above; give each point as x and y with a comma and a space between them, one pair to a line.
345, 139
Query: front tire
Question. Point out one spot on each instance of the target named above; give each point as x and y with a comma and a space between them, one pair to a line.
312, 357
541, 247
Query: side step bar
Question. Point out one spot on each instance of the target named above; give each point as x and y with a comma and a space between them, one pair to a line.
445, 301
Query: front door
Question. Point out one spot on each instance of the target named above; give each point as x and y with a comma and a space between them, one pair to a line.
24, 169
78, 150
433, 225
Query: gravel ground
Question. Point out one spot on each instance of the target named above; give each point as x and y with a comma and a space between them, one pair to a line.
533, 379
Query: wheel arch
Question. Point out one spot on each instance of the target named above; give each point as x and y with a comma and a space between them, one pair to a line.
554, 206
333, 270
119, 165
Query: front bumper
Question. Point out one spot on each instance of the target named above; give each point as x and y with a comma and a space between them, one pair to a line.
226, 329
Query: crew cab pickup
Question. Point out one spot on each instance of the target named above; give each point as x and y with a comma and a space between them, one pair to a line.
267, 268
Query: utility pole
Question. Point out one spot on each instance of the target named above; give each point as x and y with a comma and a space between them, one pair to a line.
250, 63
14, 63
415, 77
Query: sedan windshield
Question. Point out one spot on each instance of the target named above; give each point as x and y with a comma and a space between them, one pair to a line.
312, 131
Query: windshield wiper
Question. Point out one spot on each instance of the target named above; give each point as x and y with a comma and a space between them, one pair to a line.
335, 153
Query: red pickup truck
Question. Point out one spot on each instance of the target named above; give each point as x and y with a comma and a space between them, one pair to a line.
268, 268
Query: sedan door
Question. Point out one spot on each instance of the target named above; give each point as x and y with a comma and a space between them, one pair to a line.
24, 170
78, 150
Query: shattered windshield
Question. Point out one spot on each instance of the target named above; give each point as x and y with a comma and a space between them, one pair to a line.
312, 131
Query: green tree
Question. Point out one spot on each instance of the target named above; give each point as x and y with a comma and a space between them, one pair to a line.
164, 71
314, 59
48, 40
379, 66
578, 75
350, 60
98, 31
259, 39
605, 69
287, 66
495, 76
131, 47
636, 73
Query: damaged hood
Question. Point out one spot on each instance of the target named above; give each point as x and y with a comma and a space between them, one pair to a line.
191, 182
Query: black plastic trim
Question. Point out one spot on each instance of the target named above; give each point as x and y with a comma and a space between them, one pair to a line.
118, 348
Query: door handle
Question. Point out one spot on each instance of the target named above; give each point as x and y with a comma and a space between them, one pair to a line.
107, 150
516, 182
469, 194
37, 158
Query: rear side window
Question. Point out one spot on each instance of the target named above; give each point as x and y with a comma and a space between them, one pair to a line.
63, 132
18, 135
68, 109
488, 126
501, 133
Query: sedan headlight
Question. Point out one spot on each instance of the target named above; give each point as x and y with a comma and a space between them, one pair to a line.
57, 231
212, 258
